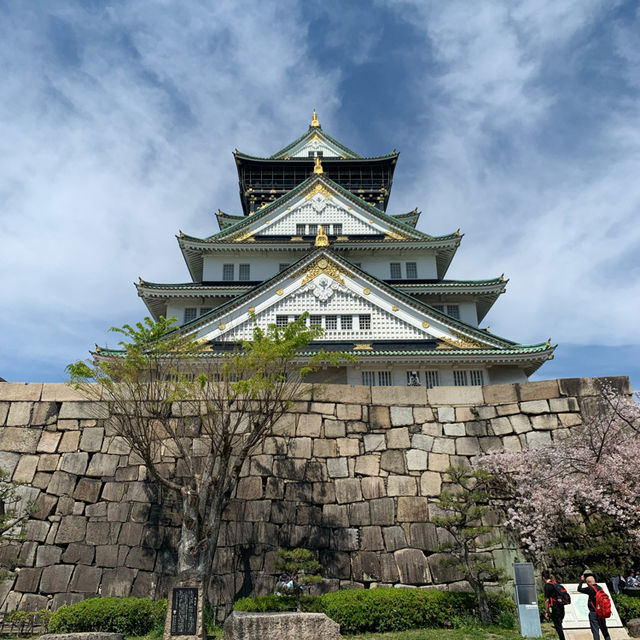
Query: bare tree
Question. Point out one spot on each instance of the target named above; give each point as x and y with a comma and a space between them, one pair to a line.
177, 403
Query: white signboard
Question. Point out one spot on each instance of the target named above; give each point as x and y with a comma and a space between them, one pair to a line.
576, 614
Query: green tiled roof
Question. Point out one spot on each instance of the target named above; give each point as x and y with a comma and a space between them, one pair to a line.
309, 134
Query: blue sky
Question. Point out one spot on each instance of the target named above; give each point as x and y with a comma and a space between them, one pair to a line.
517, 121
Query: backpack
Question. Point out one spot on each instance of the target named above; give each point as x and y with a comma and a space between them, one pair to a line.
603, 603
562, 596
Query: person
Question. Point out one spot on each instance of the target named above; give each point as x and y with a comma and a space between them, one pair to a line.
589, 587
631, 581
553, 606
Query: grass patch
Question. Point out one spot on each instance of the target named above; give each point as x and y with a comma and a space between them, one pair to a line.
475, 633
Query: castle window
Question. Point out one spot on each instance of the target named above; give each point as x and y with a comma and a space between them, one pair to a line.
282, 321
365, 322
413, 378
476, 377
453, 310
337, 229
396, 272
460, 378
384, 378
346, 323
243, 272
227, 272
431, 379
331, 323
313, 229
412, 270
369, 378
300, 229
190, 314
315, 321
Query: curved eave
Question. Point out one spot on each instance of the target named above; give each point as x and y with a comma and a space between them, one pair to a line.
397, 225
245, 157
410, 218
227, 220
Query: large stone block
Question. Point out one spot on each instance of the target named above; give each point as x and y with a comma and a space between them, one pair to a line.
335, 515
83, 410
85, 579
372, 488
401, 416
454, 396
325, 408
534, 406
102, 465
249, 488
383, 511
454, 429
77, 553
338, 467
393, 460
9, 462
423, 535
55, 579
401, 486
44, 506
417, 460
398, 438
324, 448
91, 440
394, 538
446, 414
71, 529
309, 425
379, 417
413, 509
538, 390
19, 439
26, 469
19, 414
335, 564
374, 442
323, 492
141, 558
28, 579
366, 567
441, 571
87, 490
61, 392
439, 461
394, 396
422, 442
520, 423
467, 446
334, 428
368, 465
500, 394
75, 463
70, 439
501, 426
348, 446
348, 490
359, 514
544, 422
349, 411
412, 566
61, 484
346, 539
279, 626
48, 442
44, 413
15, 391
117, 582
371, 539
430, 483
537, 439
47, 555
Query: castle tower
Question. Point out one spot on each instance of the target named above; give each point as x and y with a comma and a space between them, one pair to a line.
314, 235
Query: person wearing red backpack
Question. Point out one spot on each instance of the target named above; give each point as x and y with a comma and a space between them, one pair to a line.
597, 606
554, 602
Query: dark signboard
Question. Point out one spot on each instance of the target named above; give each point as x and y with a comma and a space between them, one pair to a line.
184, 613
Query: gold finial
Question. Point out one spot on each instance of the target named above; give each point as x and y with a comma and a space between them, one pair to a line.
140, 280
314, 120
98, 349
548, 342
181, 234
317, 167
501, 278
321, 238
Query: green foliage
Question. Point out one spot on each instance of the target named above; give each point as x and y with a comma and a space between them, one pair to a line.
628, 607
300, 563
131, 616
28, 619
388, 609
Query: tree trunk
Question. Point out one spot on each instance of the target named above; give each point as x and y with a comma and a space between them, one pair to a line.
483, 602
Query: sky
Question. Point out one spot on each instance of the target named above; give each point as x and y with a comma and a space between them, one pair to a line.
517, 121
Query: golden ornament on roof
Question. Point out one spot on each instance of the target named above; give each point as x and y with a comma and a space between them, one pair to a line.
317, 167
321, 238
314, 119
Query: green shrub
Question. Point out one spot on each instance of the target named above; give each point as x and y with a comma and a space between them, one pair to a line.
628, 607
388, 609
28, 618
131, 616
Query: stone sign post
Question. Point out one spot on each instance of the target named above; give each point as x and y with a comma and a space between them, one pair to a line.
185, 611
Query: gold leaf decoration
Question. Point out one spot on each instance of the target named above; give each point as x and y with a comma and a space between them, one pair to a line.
319, 189
318, 266
362, 347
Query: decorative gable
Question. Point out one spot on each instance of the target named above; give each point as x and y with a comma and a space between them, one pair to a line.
319, 203
350, 307
316, 145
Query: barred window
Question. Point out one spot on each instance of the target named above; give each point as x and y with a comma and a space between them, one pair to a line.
431, 379
300, 229
190, 314
313, 229
384, 378
476, 377
315, 321
243, 272
337, 229
453, 310
369, 378
413, 378
227, 272
460, 378
346, 323
365, 322
282, 321
412, 270
330, 322
396, 271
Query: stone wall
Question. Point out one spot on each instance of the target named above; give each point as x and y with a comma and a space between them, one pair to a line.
352, 472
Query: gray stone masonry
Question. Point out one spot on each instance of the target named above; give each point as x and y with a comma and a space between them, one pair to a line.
280, 626
353, 473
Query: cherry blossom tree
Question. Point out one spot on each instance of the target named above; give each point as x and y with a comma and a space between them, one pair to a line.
576, 501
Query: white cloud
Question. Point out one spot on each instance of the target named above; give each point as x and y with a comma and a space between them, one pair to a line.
547, 197
116, 129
